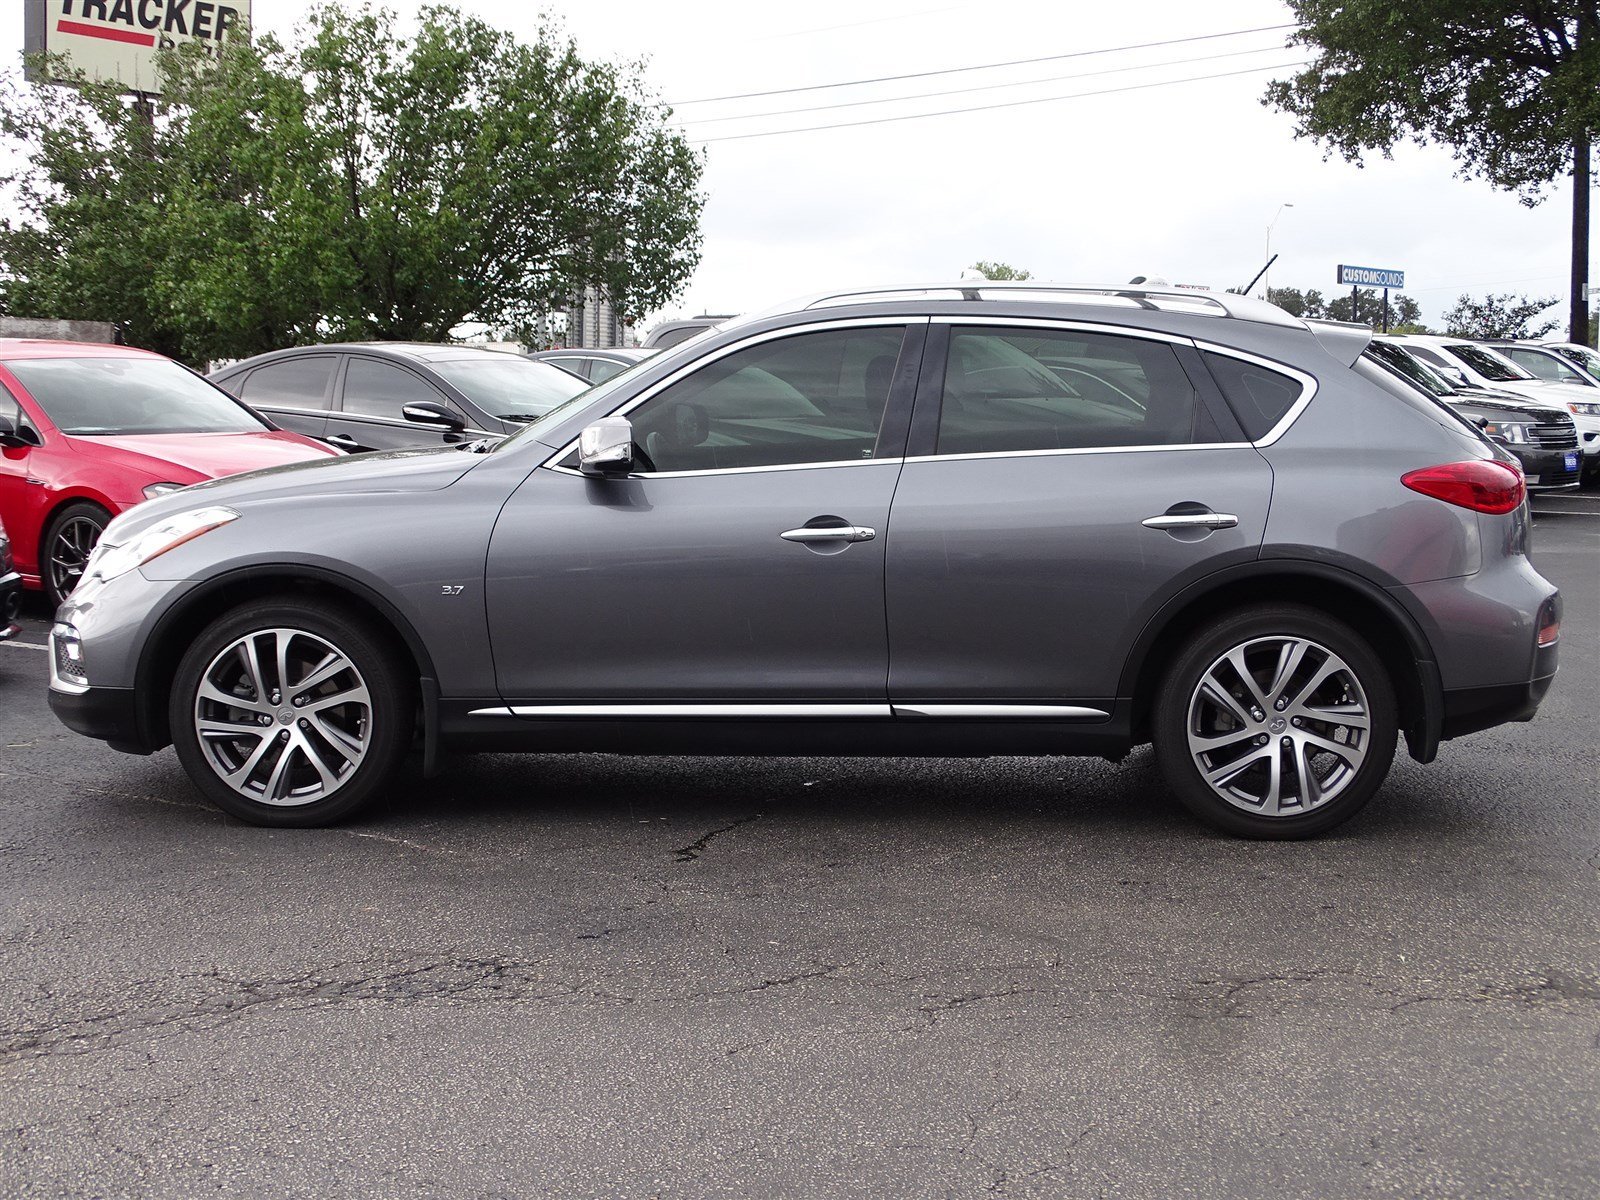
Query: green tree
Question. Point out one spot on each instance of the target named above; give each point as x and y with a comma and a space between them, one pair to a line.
356, 184
1511, 86
1499, 316
1308, 305
999, 270
1405, 314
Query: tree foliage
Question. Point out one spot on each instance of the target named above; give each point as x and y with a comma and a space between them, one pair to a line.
1504, 83
1499, 316
355, 184
1405, 314
999, 271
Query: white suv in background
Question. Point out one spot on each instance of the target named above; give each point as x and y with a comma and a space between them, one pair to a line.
1484, 366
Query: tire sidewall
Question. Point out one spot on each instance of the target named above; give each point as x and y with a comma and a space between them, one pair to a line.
1172, 717
390, 690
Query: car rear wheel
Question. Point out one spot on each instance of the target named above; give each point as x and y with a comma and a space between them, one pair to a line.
291, 713
66, 546
1277, 722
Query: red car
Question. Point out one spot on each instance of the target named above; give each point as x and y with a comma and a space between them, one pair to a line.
87, 431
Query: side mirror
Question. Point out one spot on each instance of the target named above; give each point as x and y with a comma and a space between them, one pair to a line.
1455, 375
433, 415
606, 447
13, 438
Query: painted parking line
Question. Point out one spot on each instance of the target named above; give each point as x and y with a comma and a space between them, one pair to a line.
23, 646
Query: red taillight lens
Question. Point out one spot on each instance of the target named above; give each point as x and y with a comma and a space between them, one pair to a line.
1483, 485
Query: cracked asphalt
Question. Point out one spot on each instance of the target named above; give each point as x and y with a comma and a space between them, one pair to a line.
585, 976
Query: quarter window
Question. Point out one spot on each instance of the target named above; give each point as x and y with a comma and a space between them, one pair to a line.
814, 397
295, 383
1036, 389
1260, 397
376, 389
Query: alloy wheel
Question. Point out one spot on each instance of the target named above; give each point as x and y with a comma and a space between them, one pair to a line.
283, 717
69, 552
1279, 726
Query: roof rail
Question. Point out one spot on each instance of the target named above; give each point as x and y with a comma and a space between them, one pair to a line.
1167, 298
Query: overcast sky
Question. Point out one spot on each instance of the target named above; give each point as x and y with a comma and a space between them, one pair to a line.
1178, 180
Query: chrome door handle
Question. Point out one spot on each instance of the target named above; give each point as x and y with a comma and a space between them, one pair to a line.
342, 440
829, 533
1191, 521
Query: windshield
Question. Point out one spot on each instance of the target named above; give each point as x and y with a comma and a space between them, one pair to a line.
88, 397
1413, 369
1547, 364
1489, 364
1582, 355
509, 387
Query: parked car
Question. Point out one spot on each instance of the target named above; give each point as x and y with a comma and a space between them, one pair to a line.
594, 364
1583, 363
395, 395
671, 333
1481, 365
89, 431
10, 590
1543, 439
882, 524
1585, 358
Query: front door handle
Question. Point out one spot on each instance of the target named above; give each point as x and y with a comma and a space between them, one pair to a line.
342, 440
829, 533
1204, 520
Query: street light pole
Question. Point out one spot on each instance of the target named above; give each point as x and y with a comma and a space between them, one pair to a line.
1266, 283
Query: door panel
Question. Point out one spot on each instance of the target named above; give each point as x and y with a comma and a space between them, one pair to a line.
1019, 578
681, 589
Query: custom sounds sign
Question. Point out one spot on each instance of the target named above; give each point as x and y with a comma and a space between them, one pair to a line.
116, 41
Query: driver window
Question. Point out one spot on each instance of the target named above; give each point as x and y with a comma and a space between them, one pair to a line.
814, 397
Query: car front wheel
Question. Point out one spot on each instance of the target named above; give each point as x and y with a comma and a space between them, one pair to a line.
67, 543
1277, 722
291, 713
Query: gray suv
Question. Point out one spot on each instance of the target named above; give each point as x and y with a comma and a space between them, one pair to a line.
970, 520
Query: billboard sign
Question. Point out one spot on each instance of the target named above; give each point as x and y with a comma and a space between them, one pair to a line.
1373, 277
115, 41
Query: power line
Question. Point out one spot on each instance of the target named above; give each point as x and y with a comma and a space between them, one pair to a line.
987, 87
1137, 87
1019, 62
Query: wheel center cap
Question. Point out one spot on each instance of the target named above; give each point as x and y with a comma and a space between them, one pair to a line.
286, 717
1278, 725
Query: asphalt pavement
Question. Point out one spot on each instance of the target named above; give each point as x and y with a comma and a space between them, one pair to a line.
588, 976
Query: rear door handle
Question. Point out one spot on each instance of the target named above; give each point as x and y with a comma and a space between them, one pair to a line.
829, 533
1208, 520
342, 440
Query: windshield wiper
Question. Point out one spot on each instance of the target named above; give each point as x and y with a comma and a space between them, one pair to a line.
520, 416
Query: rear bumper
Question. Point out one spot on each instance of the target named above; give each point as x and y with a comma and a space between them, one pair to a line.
1473, 709
109, 714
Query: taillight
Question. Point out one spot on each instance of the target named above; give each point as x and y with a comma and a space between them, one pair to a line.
1483, 484
1549, 623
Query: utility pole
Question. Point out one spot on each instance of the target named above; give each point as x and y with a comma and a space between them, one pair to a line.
1578, 331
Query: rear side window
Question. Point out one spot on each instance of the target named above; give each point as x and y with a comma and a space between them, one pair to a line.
1044, 389
294, 383
1260, 397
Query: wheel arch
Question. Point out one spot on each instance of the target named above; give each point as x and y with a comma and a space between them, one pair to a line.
1395, 634
175, 630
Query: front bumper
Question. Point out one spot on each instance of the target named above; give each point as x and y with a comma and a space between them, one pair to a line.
109, 714
1547, 470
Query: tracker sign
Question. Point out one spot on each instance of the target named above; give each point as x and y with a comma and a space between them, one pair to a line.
115, 41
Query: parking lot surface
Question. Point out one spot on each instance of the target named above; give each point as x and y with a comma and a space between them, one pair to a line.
587, 976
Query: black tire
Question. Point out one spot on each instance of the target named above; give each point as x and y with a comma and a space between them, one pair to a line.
1182, 709
383, 722
79, 525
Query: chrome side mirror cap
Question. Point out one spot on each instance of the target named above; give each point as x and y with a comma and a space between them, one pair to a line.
606, 447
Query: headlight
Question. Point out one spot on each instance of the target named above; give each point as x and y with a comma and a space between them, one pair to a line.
161, 489
1508, 431
1583, 408
107, 562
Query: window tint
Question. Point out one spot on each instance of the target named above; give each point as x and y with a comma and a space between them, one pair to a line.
377, 389
295, 383
1429, 355
1259, 397
1489, 364
815, 397
602, 369
1033, 389
1411, 368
